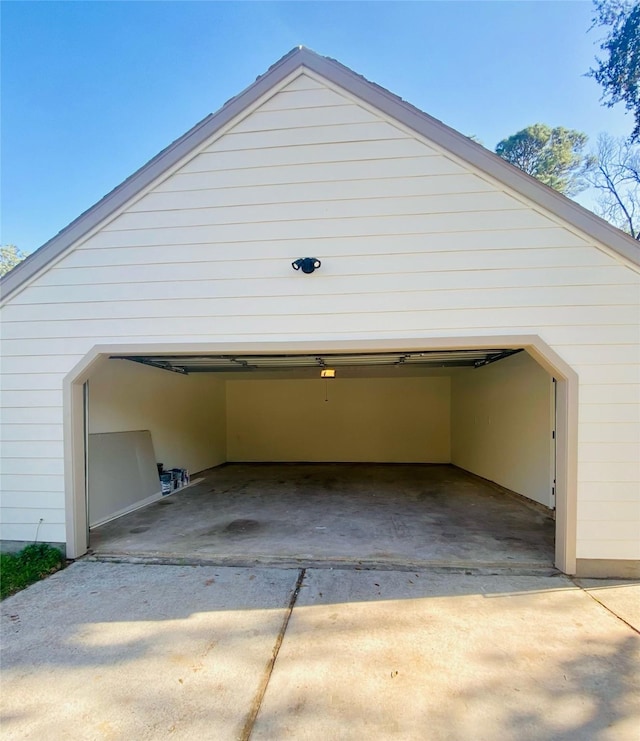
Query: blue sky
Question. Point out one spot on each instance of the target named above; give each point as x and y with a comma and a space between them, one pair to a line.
92, 90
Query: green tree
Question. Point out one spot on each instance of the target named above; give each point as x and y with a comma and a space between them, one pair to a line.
619, 71
615, 174
552, 155
10, 256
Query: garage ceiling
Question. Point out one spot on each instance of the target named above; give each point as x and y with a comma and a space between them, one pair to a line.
186, 364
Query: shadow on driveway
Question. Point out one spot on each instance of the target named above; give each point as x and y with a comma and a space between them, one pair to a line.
123, 651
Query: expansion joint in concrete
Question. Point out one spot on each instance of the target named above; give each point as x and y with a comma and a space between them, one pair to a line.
634, 628
257, 702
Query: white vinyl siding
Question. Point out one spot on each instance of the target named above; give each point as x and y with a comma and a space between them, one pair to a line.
413, 243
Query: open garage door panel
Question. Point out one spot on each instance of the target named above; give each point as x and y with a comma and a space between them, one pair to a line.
251, 363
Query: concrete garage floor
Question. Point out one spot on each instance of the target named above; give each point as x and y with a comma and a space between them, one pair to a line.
378, 515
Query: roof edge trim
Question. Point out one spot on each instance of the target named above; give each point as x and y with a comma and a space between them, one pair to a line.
145, 175
479, 156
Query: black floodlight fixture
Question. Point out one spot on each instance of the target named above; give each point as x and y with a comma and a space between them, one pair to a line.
306, 264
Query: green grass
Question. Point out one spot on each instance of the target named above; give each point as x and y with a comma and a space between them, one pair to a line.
18, 570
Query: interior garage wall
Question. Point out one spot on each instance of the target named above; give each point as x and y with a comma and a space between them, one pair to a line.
501, 424
365, 420
185, 414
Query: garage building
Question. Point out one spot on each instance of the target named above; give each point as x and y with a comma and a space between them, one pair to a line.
473, 318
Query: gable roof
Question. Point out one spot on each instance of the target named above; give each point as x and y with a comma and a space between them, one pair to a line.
377, 96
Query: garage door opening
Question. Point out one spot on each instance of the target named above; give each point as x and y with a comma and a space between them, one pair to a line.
407, 458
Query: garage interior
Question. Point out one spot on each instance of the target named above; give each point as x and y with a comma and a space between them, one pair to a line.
389, 460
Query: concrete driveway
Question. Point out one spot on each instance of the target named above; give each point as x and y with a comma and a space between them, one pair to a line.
131, 651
